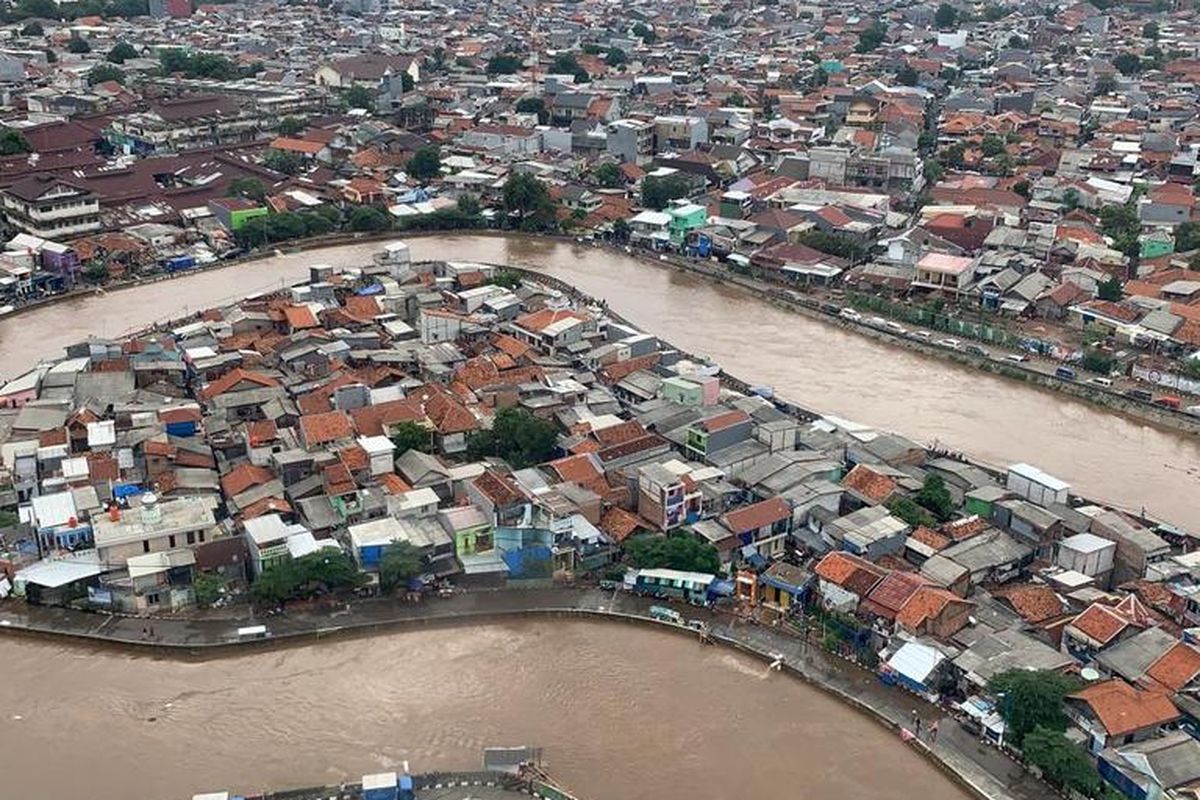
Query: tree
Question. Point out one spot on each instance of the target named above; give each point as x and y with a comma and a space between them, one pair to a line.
531, 105
935, 497
872, 37
907, 76
819, 78
721, 20
468, 205
992, 145
608, 175
1018, 42
659, 191
517, 436
835, 244
290, 126
121, 52
646, 34
407, 84
615, 57
33, 29
369, 220
736, 100
1031, 699
412, 436
207, 588
12, 142
506, 279
96, 271
1128, 63
1110, 289
101, 73
677, 550
503, 64
317, 225
1097, 361
1150, 30
946, 16
906, 509
1071, 199
567, 64
528, 199
78, 45
933, 171
46, 9
283, 161
1023, 188
426, 164
621, 230
401, 561
1187, 236
1062, 762
321, 572
251, 188
359, 97
1106, 84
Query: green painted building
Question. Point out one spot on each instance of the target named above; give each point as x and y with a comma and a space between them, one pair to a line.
235, 212
686, 217
1155, 244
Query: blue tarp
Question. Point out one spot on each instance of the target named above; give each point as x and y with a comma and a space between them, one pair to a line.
367, 291
123, 490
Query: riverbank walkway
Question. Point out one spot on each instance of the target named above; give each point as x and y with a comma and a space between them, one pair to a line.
982, 767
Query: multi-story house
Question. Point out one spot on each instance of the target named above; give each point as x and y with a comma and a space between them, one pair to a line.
51, 207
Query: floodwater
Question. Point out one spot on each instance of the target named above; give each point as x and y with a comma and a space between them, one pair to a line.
622, 713
1102, 454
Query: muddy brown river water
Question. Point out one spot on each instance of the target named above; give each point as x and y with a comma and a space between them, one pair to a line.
623, 713
999, 421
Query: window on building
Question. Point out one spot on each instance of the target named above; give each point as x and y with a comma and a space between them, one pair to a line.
145, 545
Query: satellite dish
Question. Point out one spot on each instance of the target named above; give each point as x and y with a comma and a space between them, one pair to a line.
1089, 674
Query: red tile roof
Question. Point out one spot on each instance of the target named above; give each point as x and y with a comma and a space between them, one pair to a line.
232, 378
243, 477
759, 515
1177, 667
1122, 709
870, 484
850, 572
891, 593
925, 603
327, 427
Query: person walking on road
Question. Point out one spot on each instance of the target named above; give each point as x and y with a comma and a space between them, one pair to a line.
933, 731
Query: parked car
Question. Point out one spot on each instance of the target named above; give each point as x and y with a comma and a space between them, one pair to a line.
1105, 382
877, 322
663, 614
1065, 373
949, 344
1168, 401
850, 314
1139, 394
896, 327
924, 336
831, 308
976, 350
1019, 358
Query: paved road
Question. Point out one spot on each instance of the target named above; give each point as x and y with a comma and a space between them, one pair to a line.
982, 766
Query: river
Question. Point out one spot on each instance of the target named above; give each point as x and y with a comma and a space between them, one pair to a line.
822, 366
623, 713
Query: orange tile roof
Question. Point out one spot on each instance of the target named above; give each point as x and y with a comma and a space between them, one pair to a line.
1034, 602
1177, 667
243, 477
869, 483
297, 146
758, 515
891, 593
926, 602
394, 484
542, 319
931, 538
371, 420
232, 378
850, 572
619, 524
300, 317
1122, 709
326, 427
1099, 623
575, 469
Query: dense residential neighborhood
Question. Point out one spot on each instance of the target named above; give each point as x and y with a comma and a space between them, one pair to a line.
407, 429
1012, 176
998, 182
